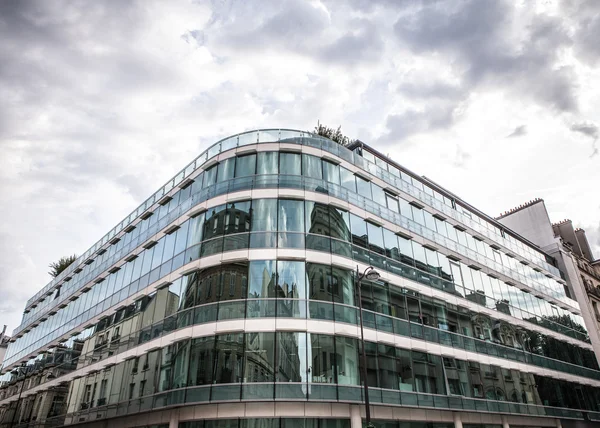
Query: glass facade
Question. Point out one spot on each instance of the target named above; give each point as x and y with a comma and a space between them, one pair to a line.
465, 285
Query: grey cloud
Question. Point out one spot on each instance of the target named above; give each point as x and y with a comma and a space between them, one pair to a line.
519, 131
585, 18
363, 44
442, 103
297, 27
431, 89
590, 130
585, 128
410, 122
477, 35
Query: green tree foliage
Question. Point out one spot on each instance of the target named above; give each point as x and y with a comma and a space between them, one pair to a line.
57, 267
333, 134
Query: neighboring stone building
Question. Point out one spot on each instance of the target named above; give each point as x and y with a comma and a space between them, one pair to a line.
571, 249
575, 241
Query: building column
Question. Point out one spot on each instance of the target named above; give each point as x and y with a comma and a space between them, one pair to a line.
505, 422
355, 417
457, 420
174, 421
558, 423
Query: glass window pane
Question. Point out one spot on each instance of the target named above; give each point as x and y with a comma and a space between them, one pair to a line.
210, 176
259, 357
331, 172
339, 223
363, 187
378, 194
390, 240
346, 359
229, 355
347, 179
245, 165
406, 252
317, 218
392, 203
291, 216
291, 357
267, 163
375, 234
311, 167
225, 170
214, 223
321, 355
237, 218
359, 230
290, 163
262, 279
291, 280
264, 216
419, 255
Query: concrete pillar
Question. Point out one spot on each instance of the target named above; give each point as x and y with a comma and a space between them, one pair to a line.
174, 421
457, 420
558, 423
505, 422
355, 417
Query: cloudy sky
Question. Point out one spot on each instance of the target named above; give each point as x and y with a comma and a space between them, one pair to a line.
102, 102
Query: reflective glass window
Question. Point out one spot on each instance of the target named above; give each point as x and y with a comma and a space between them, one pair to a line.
378, 194
341, 285
292, 365
210, 177
195, 230
339, 221
317, 275
311, 167
291, 215
375, 234
321, 355
419, 255
417, 215
406, 252
264, 216
214, 222
237, 218
317, 218
392, 203
390, 240
331, 172
229, 357
267, 163
405, 208
259, 357
290, 164
245, 165
347, 179
363, 187
201, 361
225, 170
291, 219
291, 280
262, 279
359, 230
346, 359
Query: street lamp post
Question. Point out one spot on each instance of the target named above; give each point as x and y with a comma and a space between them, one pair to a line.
372, 275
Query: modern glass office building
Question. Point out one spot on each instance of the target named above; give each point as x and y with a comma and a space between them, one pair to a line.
229, 299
